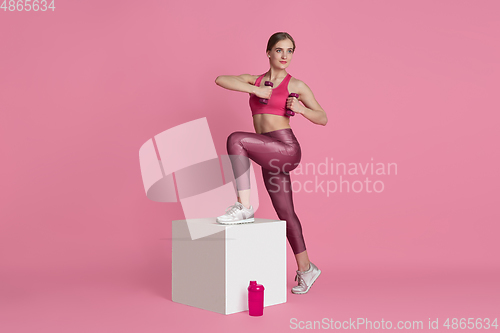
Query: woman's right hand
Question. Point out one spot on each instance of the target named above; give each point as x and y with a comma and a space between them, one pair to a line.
264, 92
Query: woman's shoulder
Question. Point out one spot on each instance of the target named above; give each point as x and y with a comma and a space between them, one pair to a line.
297, 84
295, 80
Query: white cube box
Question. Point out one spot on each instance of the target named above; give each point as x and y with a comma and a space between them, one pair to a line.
213, 272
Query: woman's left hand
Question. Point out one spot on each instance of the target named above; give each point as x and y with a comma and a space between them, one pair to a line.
293, 104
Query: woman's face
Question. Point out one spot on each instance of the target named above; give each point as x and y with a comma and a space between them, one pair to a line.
281, 54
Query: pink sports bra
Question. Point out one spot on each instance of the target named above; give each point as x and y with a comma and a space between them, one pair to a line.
276, 104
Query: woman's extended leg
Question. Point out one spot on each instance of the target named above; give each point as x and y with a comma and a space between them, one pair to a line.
279, 187
277, 152
302, 261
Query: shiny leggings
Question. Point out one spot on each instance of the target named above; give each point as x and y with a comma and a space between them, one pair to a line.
277, 152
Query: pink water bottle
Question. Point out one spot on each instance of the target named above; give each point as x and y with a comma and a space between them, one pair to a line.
265, 100
255, 299
288, 111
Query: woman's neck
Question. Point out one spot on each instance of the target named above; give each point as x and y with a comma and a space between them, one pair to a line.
275, 74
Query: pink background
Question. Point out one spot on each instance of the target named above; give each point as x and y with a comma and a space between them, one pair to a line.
83, 249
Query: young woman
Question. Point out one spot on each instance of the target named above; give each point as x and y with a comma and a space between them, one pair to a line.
273, 146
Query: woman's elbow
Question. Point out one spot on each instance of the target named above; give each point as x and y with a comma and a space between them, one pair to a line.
325, 119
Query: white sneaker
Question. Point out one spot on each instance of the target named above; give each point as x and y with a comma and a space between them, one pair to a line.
236, 214
306, 279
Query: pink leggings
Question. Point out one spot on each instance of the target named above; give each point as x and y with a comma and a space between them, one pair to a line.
277, 152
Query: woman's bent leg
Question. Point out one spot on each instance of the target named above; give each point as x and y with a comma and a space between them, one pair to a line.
265, 150
277, 152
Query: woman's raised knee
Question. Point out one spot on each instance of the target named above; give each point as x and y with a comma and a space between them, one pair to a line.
234, 139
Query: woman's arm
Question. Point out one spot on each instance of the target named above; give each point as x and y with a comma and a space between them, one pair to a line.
312, 110
236, 83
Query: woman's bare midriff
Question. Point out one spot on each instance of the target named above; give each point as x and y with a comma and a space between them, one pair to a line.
264, 122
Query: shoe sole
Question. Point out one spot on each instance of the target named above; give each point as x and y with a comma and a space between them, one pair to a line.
250, 220
303, 292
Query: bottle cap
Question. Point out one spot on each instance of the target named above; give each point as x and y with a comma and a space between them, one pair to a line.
255, 287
